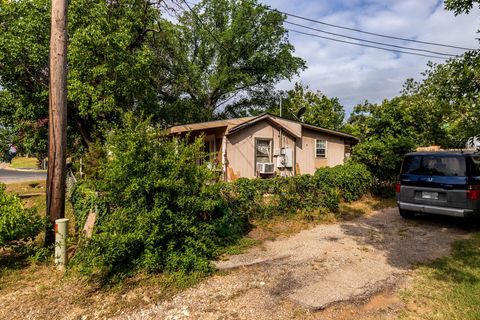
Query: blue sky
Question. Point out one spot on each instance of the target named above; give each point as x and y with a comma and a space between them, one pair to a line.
353, 73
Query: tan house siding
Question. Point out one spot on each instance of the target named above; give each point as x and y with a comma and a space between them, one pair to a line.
233, 143
306, 159
241, 147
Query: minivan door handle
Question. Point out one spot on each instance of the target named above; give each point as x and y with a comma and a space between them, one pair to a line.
448, 186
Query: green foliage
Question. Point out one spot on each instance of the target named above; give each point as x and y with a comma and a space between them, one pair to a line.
383, 156
158, 209
460, 6
389, 130
447, 288
353, 180
17, 224
320, 110
452, 90
263, 199
124, 56
237, 72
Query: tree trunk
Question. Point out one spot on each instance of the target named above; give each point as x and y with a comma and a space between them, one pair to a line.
57, 129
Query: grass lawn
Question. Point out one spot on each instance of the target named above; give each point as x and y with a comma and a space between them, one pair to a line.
24, 163
448, 288
30, 187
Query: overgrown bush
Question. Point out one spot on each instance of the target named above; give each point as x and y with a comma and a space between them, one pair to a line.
158, 209
18, 225
282, 196
353, 180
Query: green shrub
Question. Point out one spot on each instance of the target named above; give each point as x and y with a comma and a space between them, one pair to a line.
353, 180
158, 209
17, 224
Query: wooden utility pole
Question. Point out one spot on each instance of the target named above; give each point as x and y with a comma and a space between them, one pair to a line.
57, 121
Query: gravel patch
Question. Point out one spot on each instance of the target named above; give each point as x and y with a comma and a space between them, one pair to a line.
327, 266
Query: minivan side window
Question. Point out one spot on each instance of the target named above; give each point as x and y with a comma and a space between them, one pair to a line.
473, 164
435, 165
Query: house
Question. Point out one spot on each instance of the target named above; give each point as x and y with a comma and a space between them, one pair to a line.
268, 145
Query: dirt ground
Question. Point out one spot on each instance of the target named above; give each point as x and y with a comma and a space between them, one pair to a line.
347, 270
350, 270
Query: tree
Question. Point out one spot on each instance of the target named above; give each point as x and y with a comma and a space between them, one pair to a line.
387, 131
109, 68
319, 109
221, 58
453, 89
24, 38
124, 57
460, 6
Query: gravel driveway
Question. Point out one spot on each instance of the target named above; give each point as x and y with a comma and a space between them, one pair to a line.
295, 277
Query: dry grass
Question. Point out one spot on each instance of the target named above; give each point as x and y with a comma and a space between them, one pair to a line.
24, 163
284, 226
26, 187
364, 206
34, 291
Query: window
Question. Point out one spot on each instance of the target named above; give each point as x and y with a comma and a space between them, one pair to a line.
263, 150
320, 148
436, 165
473, 165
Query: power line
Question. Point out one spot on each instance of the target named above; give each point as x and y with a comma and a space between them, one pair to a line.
200, 22
366, 45
369, 41
367, 32
204, 27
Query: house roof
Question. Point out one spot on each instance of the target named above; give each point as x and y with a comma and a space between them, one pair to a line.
237, 124
229, 123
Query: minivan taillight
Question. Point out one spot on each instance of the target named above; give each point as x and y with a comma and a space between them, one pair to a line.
473, 192
397, 187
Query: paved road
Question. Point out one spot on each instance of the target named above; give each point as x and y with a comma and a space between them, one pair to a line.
19, 176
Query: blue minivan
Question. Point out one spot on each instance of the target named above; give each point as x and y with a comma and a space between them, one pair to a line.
445, 183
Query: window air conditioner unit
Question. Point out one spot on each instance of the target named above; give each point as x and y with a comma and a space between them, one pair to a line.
266, 168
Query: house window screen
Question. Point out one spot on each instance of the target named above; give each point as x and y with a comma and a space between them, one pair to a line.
263, 151
320, 148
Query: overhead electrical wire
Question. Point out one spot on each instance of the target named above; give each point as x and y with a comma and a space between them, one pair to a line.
367, 32
204, 27
437, 55
367, 45
369, 41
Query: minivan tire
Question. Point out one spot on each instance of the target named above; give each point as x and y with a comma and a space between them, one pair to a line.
406, 214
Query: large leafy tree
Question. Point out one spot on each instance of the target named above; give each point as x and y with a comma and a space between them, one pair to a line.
386, 131
124, 56
223, 57
108, 63
453, 91
319, 109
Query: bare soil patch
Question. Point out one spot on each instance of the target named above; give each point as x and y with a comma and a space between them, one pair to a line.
349, 270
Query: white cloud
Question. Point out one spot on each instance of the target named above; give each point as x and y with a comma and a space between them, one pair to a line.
354, 73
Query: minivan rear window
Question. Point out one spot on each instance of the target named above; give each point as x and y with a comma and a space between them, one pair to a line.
435, 165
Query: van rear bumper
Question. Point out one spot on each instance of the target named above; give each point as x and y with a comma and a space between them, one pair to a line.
454, 212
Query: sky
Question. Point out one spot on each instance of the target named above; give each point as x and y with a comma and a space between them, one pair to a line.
355, 74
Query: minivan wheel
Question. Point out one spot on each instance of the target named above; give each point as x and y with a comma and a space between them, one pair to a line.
406, 214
